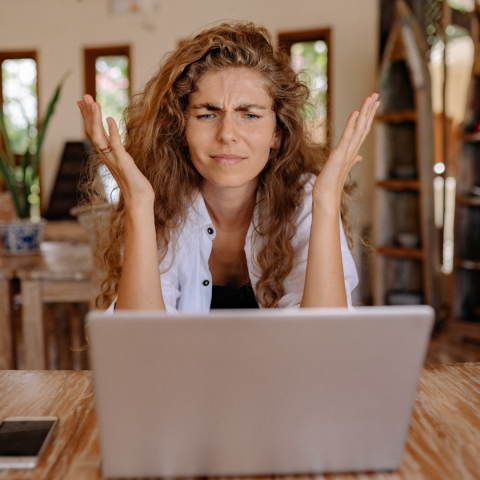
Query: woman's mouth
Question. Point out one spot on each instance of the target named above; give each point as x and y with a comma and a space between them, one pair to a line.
227, 159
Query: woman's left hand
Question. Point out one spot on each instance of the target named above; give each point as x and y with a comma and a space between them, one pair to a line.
328, 187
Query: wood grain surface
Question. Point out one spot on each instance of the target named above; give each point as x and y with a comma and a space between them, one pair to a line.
61, 273
443, 442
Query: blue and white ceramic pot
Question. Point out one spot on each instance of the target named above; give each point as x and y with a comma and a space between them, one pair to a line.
21, 237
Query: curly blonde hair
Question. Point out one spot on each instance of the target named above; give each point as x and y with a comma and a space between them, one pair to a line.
155, 138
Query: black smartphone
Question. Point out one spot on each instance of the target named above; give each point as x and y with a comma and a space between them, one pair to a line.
23, 440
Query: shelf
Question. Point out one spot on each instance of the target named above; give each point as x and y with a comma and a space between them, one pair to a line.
467, 264
402, 195
470, 137
468, 201
397, 117
399, 184
400, 252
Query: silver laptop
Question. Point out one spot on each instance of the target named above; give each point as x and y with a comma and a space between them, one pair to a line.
267, 392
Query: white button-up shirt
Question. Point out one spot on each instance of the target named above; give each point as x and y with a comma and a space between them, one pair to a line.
186, 279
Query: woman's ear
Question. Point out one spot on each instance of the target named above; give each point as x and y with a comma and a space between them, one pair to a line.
275, 143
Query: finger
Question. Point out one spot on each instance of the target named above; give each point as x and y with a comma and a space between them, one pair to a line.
356, 126
81, 106
86, 112
115, 139
88, 99
98, 135
360, 127
370, 121
86, 117
363, 115
372, 105
347, 134
83, 109
107, 136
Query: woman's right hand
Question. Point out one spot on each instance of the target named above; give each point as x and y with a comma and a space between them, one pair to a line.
136, 189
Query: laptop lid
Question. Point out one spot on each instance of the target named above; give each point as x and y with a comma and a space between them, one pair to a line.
256, 392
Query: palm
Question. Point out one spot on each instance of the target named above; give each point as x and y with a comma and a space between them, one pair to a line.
134, 186
330, 182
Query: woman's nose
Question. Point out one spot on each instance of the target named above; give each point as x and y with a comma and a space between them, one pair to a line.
227, 131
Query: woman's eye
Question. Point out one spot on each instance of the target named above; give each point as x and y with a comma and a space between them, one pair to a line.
207, 116
251, 116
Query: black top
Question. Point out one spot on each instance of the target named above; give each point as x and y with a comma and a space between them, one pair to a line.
226, 297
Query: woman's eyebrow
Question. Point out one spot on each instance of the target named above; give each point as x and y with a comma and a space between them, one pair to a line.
244, 107
249, 106
208, 106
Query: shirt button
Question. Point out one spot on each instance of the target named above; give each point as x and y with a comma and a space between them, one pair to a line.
210, 230
206, 283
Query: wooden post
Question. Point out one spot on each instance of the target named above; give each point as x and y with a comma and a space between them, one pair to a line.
32, 325
6, 344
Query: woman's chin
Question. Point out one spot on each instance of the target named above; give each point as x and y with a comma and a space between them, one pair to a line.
231, 180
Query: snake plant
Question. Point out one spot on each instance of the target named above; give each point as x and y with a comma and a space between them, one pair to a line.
18, 179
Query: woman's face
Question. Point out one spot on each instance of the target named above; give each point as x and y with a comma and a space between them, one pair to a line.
230, 127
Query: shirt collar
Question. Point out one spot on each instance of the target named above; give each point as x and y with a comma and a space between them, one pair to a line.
202, 217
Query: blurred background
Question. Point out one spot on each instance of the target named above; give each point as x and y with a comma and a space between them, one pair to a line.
417, 189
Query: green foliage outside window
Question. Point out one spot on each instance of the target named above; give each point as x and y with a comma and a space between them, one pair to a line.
310, 59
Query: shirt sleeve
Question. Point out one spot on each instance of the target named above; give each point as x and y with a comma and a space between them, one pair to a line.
295, 282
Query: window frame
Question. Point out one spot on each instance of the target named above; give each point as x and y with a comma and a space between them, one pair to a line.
90, 55
17, 55
285, 42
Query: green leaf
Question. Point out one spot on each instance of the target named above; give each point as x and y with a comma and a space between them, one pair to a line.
44, 125
9, 180
27, 180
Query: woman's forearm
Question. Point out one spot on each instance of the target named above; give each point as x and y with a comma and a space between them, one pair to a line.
140, 286
324, 280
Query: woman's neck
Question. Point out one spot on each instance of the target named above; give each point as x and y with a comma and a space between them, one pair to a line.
230, 208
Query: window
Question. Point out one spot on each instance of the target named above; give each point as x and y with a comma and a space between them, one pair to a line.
18, 97
107, 79
310, 51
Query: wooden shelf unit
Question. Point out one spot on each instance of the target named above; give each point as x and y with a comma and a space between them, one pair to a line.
399, 184
465, 316
467, 264
401, 252
404, 168
397, 117
470, 137
464, 200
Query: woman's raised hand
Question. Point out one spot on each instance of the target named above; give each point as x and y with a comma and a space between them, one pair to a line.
136, 189
328, 187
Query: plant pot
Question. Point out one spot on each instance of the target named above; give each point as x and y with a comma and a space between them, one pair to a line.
21, 237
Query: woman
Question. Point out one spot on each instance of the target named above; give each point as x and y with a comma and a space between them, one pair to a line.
222, 186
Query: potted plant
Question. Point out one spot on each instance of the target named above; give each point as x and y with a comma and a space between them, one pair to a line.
23, 235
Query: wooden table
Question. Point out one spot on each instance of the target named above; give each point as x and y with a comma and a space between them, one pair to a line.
61, 273
443, 442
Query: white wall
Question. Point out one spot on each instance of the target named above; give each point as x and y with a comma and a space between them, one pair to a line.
60, 29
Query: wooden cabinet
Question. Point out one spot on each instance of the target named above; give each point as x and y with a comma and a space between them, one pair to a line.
465, 318
406, 243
